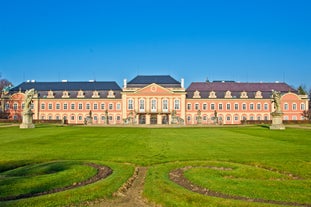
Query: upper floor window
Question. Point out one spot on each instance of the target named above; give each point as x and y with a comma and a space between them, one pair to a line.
244, 106
228, 106
87, 106
236, 106
196, 106
110, 106
302, 106
165, 105
153, 105
130, 105
15, 106
204, 106
142, 105
95, 106
72, 107
189, 106
212, 106
118, 106
102, 106
220, 106
258, 106
294, 106
251, 106
266, 107
58, 106
43, 106
286, 106
65, 106
50, 106
80, 106
176, 104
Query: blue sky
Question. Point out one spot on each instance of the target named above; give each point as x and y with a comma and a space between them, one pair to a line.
241, 40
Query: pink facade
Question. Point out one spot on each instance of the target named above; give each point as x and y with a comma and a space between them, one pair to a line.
152, 102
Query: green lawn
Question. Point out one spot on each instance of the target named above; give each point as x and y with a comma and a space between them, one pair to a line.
263, 162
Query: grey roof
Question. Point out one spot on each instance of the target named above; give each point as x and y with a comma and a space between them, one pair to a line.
163, 80
69, 86
158, 79
236, 88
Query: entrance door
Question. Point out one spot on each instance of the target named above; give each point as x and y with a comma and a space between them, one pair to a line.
153, 119
142, 119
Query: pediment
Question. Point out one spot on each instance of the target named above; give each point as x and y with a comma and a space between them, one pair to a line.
153, 89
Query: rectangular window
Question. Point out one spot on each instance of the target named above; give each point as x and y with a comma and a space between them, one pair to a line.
50, 106
212, 106
188, 106
196, 106
285, 106
236, 106
228, 106
236, 118
153, 105
294, 106
141, 105
165, 105
87, 106
80, 106
205, 106
130, 105
110, 106
176, 104
258, 106
220, 106
118, 118
244, 106
302, 106
72, 107
265, 106
65, 106
251, 106
42, 107
118, 106
102, 106
95, 106
57, 106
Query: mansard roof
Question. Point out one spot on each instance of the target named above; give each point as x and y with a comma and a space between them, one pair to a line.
143, 80
220, 87
68, 86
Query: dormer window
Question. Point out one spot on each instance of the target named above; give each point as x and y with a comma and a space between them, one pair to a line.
50, 94
80, 94
196, 94
244, 94
65, 94
95, 94
228, 94
212, 94
258, 94
111, 94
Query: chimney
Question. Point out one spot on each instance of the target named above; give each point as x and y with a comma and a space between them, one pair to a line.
182, 83
124, 83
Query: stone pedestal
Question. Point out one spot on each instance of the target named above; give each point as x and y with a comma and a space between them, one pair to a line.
277, 121
27, 120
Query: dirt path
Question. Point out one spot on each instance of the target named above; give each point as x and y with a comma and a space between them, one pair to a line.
130, 194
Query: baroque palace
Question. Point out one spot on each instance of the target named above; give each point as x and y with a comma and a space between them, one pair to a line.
154, 100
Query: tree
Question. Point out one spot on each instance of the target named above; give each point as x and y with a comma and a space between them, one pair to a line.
302, 90
4, 83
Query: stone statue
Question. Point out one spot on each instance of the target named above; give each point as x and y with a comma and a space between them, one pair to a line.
28, 99
27, 113
276, 95
277, 120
